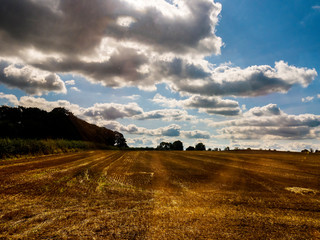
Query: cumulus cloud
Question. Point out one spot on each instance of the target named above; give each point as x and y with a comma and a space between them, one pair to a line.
29, 79
196, 134
112, 111
10, 98
107, 41
172, 130
269, 122
166, 115
97, 113
210, 105
28, 101
133, 43
252, 81
105, 114
268, 110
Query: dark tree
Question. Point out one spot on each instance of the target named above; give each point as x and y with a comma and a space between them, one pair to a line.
190, 148
200, 147
177, 145
120, 141
164, 146
33, 123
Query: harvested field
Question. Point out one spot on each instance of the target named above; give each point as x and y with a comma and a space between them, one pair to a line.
161, 195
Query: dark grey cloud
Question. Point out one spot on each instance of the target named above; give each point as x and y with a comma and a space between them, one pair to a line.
123, 64
71, 28
69, 36
180, 34
224, 112
196, 134
165, 115
162, 42
68, 29
112, 111
170, 132
210, 105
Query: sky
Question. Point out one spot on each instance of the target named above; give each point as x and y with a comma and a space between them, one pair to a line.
225, 73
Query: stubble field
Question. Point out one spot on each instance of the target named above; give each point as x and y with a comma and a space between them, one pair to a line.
161, 195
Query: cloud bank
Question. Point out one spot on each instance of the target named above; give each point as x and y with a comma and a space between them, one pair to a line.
130, 43
269, 122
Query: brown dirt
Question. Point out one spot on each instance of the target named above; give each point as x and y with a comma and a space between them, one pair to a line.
161, 195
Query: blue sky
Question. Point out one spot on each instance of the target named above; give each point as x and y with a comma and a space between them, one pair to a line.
241, 74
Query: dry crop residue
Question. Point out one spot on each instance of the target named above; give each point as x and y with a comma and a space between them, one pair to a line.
161, 195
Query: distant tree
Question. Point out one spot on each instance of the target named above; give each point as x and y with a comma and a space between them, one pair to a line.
216, 149
311, 150
305, 151
177, 145
200, 147
190, 148
164, 146
227, 149
209, 149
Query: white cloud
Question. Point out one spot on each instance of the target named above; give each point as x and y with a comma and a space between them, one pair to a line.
210, 105
133, 97
10, 97
269, 122
268, 110
252, 81
75, 89
166, 115
135, 43
172, 130
112, 111
70, 82
29, 79
307, 99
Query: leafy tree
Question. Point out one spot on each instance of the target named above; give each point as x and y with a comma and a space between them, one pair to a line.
164, 146
177, 145
200, 147
227, 149
190, 148
120, 141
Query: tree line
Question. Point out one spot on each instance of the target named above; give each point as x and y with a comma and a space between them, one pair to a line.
178, 146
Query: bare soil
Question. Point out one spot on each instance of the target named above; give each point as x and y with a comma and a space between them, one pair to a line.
161, 195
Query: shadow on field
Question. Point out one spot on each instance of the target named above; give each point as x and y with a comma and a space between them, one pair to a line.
160, 195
